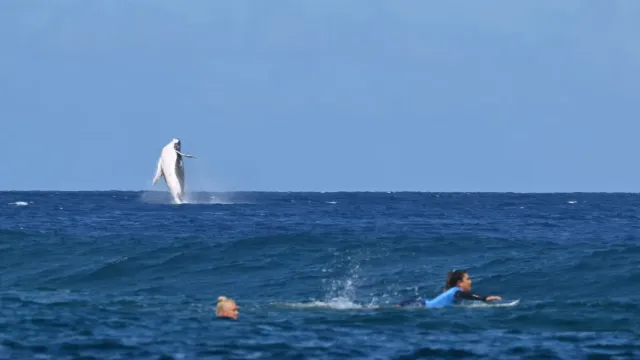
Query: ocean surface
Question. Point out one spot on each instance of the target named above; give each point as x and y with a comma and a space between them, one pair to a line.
127, 275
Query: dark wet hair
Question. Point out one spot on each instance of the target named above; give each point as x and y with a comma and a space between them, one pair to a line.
452, 278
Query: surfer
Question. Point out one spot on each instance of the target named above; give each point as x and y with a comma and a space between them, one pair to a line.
226, 308
457, 287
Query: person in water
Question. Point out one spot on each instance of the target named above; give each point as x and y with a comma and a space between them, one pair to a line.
457, 287
226, 308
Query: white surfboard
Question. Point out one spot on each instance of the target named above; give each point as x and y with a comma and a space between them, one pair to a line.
492, 304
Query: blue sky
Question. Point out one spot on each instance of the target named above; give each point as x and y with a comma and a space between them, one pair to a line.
527, 96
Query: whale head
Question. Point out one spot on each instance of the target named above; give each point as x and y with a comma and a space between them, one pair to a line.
176, 144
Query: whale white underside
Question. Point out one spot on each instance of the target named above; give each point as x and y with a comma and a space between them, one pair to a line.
171, 168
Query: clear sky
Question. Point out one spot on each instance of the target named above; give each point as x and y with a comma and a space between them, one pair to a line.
324, 95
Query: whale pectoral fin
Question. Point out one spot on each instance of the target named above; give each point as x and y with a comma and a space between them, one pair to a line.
158, 173
186, 155
156, 178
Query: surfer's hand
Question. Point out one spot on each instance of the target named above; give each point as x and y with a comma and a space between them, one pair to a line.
493, 298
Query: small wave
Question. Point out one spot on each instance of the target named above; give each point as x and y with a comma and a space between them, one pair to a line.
20, 203
112, 269
338, 304
216, 200
21, 234
191, 198
60, 297
345, 304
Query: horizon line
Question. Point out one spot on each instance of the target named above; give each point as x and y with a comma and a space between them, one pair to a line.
333, 191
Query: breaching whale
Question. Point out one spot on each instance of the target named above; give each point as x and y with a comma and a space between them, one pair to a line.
171, 167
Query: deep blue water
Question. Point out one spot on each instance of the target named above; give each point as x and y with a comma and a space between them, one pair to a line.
126, 275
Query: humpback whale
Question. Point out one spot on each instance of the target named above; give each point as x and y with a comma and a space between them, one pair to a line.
171, 167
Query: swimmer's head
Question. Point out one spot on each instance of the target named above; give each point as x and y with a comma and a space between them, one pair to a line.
226, 308
458, 278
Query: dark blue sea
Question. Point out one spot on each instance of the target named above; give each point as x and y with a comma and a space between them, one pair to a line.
127, 275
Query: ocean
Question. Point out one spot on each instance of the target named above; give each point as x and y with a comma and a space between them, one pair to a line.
127, 275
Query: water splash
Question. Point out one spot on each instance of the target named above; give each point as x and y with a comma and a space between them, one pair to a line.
343, 292
190, 197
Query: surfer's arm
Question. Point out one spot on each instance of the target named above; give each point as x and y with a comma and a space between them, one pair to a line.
467, 295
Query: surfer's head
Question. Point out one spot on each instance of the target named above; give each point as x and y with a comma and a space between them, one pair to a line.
227, 308
458, 278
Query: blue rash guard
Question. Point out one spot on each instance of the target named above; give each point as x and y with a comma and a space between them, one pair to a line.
450, 297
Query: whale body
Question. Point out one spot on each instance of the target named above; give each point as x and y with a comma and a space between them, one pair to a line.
171, 167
